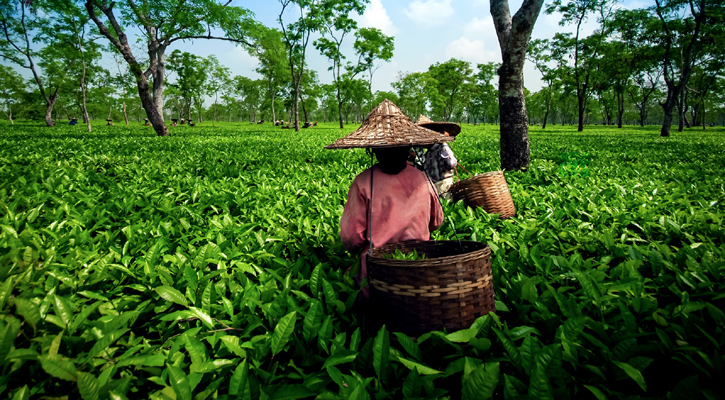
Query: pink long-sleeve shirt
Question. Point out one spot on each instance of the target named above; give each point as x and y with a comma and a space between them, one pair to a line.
404, 208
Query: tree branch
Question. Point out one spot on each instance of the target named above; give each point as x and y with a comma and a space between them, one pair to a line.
212, 37
502, 21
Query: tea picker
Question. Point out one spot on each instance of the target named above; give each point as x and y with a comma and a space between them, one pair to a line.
488, 191
393, 206
439, 162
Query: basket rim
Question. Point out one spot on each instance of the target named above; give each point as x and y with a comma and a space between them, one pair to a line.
416, 263
479, 176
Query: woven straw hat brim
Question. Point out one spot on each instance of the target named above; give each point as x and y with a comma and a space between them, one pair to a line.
350, 143
387, 126
451, 128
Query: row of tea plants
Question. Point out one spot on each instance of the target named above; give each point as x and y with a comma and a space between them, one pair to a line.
208, 265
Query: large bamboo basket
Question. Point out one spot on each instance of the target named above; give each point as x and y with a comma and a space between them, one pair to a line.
448, 289
488, 190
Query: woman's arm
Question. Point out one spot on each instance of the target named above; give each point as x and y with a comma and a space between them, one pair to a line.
436, 212
354, 221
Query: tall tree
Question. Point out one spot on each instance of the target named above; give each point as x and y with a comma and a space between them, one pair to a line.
71, 26
309, 91
614, 71
124, 86
11, 87
681, 39
297, 37
450, 77
336, 25
355, 93
21, 25
191, 78
485, 95
540, 54
218, 77
585, 50
371, 45
631, 57
644, 84
703, 80
513, 38
162, 23
248, 94
271, 54
413, 91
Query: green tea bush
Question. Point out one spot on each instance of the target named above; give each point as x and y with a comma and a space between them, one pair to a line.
208, 265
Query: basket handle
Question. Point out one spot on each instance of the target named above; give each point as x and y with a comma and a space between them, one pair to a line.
459, 165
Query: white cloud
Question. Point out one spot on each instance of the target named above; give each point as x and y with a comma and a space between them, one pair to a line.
375, 16
481, 27
430, 12
471, 50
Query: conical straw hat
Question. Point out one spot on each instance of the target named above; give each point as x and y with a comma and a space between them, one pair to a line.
387, 126
451, 128
423, 120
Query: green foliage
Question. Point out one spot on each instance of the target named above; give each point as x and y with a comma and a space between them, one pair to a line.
399, 255
208, 265
573, 163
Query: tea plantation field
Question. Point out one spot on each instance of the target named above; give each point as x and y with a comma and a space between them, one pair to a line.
208, 265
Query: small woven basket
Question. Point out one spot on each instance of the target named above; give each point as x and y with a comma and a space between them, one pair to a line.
448, 289
488, 190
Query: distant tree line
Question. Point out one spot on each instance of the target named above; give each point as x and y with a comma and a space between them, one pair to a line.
658, 65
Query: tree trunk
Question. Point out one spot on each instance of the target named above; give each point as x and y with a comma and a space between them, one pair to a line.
49, 112
84, 107
685, 106
620, 108
339, 112
513, 37
9, 114
274, 115
514, 129
120, 41
214, 118
296, 104
147, 101
676, 91
304, 111
580, 104
668, 108
158, 74
125, 116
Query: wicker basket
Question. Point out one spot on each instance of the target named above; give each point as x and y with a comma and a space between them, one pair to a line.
488, 190
448, 289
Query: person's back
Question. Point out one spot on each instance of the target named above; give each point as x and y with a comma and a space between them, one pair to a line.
405, 207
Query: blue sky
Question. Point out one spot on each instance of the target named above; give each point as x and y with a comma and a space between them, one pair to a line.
426, 32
